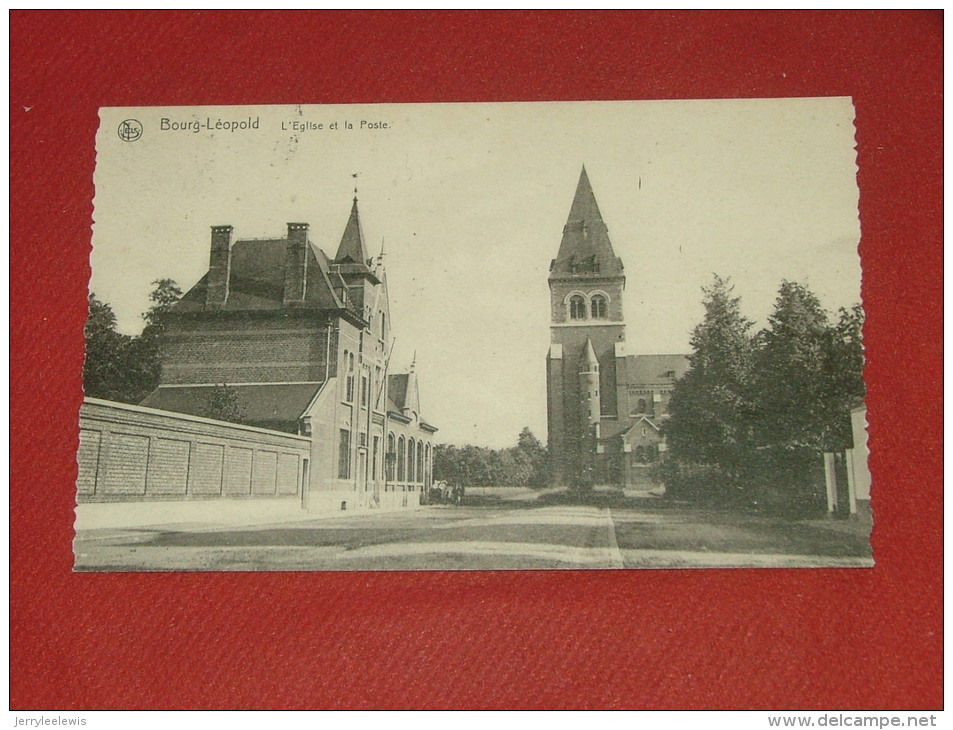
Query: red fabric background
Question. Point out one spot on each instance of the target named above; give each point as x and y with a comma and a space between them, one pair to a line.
744, 639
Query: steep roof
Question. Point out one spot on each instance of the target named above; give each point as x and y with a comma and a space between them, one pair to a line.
402, 392
655, 369
257, 279
590, 354
275, 405
352, 257
585, 251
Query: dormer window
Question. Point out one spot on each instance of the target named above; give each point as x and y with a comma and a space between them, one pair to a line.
600, 308
577, 307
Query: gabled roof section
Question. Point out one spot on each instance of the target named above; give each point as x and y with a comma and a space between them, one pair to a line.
611, 430
585, 251
269, 405
257, 279
643, 419
655, 369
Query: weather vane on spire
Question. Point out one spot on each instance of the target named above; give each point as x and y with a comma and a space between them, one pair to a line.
354, 175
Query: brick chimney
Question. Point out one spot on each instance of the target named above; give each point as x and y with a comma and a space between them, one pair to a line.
219, 267
296, 263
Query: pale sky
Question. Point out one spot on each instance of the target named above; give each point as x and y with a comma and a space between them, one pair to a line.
470, 201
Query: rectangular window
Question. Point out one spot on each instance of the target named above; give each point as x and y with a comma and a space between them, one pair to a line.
377, 444
363, 391
344, 455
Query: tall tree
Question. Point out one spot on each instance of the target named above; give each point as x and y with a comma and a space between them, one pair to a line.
145, 362
793, 421
710, 415
165, 294
790, 384
843, 376
104, 371
119, 367
532, 458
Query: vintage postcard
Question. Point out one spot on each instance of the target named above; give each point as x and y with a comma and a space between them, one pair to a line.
581, 335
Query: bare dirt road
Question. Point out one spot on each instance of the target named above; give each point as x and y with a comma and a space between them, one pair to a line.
492, 531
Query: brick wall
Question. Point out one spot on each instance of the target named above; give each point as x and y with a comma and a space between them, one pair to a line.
244, 350
129, 453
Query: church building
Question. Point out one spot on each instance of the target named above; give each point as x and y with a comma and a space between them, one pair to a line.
606, 403
303, 343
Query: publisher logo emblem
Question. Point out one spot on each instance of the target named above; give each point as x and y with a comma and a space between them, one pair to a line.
130, 130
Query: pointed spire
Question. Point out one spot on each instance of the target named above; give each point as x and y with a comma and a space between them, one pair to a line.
352, 259
584, 205
352, 248
413, 363
592, 362
585, 250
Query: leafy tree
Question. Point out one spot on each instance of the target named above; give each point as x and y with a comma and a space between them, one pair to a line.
710, 414
528, 443
104, 371
793, 415
843, 376
445, 459
163, 297
119, 367
222, 404
752, 416
147, 361
533, 459
520, 465
789, 388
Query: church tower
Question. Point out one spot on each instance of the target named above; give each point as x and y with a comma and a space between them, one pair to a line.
587, 329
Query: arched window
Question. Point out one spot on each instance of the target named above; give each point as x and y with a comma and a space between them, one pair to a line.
401, 459
411, 460
420, 462
642, 405
577, 307
600, 308
640, 454
390, 458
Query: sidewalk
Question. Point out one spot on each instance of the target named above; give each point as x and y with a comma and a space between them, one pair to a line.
205, 515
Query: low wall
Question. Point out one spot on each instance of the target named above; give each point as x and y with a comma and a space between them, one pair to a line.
134, 454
